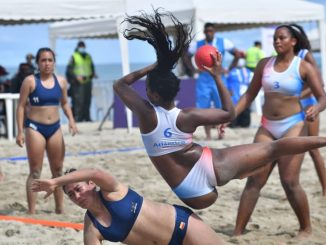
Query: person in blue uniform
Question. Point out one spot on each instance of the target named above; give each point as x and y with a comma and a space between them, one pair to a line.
238, 81
206, 91
282, 77
191, 170
41, 96
117, 213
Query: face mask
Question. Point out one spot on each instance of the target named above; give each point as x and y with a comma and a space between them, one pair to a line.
82, 50
241, 62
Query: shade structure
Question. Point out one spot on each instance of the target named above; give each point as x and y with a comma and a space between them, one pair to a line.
37, 11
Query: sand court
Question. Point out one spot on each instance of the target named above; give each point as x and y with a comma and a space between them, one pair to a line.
272, 222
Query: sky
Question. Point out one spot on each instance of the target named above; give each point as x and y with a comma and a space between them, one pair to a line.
18, 40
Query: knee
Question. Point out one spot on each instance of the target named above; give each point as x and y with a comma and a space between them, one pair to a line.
274, 147
255, 184
57, 171
289, 184
35, 174
314, 152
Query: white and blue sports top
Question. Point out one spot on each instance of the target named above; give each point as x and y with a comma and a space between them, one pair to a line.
288, 82
166, 137
302, 53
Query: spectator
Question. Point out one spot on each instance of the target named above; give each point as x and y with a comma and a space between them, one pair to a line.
16, 82
80, 72
4, 87
254, 55
30, 61
4, 81
237, 83
206, 90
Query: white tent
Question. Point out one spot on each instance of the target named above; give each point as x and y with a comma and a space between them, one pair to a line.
227, 15
238, 14
107, 15
111, 27
34, 11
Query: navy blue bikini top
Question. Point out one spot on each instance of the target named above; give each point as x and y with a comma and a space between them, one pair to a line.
42, 96
124, 214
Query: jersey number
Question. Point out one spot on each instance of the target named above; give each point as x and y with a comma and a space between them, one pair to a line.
276, 85
35, 99
167, 133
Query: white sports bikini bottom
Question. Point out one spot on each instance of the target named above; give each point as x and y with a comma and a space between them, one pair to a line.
201, 179
279, 127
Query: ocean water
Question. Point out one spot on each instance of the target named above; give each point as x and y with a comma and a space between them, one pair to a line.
105, 72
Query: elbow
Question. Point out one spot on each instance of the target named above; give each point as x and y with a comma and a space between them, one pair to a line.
231, 115
96, 173
227, 116
118, 84
64, 104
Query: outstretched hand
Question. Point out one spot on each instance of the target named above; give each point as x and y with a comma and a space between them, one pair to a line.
46, 185
216, 69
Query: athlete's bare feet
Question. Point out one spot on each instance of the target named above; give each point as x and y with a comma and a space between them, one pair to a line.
304, 234
30, 212
59, 211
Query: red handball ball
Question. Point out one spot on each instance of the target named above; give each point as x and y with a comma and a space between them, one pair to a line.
203, 56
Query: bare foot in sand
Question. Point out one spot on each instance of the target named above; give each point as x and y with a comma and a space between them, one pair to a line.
303, 234
59, 211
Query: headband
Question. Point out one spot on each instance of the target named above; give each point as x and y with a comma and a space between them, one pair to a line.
297, 29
